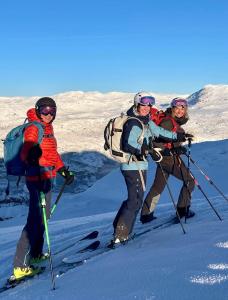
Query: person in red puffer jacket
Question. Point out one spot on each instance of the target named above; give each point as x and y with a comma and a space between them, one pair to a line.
42, 162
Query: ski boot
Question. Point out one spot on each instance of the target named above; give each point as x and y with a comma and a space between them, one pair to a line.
39, 259
116, 241
185, 213
147, 218
21, 273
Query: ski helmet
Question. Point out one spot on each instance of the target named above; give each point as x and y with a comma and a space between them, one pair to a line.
179, 102
44, 102
144, 98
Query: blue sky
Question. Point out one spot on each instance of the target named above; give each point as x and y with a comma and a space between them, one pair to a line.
114, 45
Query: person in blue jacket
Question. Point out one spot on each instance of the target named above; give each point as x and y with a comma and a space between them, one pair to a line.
135, 170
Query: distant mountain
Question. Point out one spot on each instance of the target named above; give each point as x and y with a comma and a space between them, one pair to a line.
210, 94
82, 116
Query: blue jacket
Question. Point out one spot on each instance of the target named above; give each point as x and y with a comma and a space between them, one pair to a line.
131, 132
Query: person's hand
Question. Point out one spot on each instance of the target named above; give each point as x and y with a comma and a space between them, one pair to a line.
156, 155
34, 155
189, 136
180, 150
183, 137
67, 175
144, 149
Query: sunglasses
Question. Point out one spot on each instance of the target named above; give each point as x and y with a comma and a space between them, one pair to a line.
47, 110
147, 100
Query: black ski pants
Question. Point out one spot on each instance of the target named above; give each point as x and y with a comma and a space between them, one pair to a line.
126, 216
31, 241
171, 165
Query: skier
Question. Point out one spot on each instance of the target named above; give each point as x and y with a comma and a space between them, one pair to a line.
172, 164
134, 172
42, 162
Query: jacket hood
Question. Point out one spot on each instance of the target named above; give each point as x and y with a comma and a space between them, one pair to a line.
31, 115
132, 112
180, 121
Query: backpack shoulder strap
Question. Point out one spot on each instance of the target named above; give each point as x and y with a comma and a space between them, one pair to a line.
40, 129
141, 137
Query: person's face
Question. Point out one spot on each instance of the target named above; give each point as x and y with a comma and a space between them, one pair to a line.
143, 110
179, 111
47, 113
46, 118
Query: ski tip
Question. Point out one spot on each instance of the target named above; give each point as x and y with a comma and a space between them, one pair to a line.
91, 247
91, 235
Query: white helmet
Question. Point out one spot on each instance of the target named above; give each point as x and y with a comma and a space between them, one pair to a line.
144, 98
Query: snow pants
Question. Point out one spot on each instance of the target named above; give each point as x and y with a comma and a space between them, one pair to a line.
171, 165
30, 244
126, 216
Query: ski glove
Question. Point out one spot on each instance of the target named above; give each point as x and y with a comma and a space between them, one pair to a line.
182, 136
33, 155
67, 175
180, 150
189, 136
156, 155
144, 149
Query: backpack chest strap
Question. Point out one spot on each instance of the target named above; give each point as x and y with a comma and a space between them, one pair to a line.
48, 136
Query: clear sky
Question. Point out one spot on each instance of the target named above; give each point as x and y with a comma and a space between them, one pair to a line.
51, 46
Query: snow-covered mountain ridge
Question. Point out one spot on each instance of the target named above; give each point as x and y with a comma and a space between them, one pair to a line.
82, 116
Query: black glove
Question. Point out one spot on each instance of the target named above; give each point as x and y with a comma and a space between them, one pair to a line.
180, 150
189, 136
33, 155
144, 149
67, 175
182, 136
156, 154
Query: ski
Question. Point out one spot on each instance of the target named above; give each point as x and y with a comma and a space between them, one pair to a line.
135, 235
90, 236
68, 264
12, 282
89, 248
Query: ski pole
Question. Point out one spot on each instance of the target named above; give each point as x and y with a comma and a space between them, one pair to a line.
58, 197
43, 206
171, 196
208, 178
200, 188
189, 155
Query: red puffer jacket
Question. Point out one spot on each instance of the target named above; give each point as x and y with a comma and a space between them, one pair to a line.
50, 161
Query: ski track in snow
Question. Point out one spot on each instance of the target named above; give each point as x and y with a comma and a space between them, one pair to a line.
222, 245
209, 279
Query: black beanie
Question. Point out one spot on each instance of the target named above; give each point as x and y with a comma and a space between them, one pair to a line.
45, 101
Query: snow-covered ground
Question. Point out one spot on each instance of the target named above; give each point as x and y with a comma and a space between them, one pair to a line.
162, 264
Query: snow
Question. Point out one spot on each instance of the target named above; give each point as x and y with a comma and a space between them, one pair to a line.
162, 264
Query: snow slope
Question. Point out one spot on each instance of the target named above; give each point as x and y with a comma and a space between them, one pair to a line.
162, 264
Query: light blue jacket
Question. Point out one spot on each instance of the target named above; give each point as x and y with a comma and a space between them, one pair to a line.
131, 133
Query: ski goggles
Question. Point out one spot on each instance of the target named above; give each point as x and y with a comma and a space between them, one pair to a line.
179, 102
147, 100
47, 110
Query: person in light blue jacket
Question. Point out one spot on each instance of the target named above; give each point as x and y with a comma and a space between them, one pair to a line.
135, 170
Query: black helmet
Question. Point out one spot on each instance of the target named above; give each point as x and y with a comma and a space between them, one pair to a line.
44, 102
